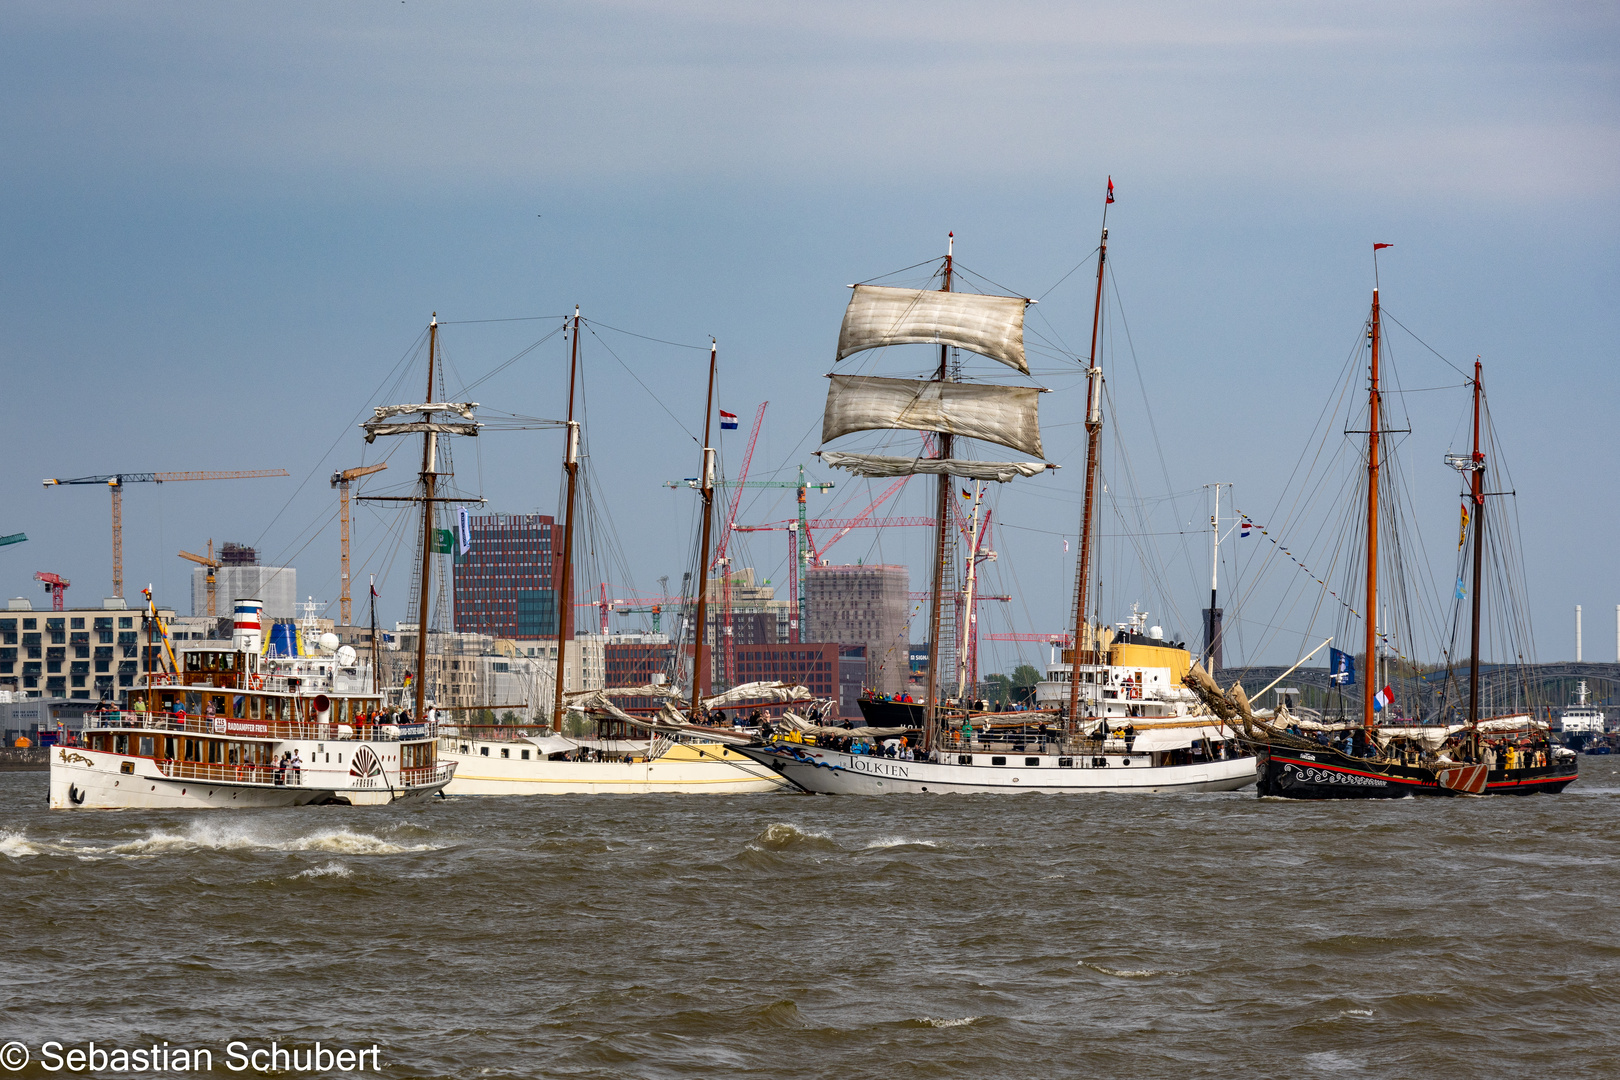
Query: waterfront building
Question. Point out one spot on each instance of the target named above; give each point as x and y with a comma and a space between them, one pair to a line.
864, 605
505, 585
79, 654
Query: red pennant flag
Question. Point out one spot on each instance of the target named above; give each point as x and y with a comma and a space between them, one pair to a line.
1110, 189
1377, 246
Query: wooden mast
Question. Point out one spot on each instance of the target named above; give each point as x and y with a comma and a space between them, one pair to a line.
1089, 503
430, 441
706, 484
565, 607
1370, 612
1477, 465
942, 509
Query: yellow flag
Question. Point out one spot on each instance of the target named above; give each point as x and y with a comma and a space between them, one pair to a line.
1462, 535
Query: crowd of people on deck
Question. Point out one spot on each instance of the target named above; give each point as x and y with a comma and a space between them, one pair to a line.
1523, 753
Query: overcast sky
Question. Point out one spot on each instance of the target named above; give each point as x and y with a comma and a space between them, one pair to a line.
225, 225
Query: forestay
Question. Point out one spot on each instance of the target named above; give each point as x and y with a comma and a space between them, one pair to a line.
1000, 414
879, 315
877, 466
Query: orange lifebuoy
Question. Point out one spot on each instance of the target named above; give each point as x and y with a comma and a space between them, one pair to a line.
255, 682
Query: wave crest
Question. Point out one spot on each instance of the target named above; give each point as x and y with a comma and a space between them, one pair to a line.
1134, 973
782, 836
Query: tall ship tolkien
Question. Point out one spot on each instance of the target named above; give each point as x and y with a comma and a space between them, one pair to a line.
236, 724
1120, 717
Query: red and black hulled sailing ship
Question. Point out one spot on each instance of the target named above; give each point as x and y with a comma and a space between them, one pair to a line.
1500, 755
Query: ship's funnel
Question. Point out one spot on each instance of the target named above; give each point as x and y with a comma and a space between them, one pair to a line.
247, 635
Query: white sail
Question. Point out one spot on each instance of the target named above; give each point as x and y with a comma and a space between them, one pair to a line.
991, 326
878, 466
998, 414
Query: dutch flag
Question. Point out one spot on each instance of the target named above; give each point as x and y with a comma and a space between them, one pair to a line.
728, 421
1246, 527
1382, 699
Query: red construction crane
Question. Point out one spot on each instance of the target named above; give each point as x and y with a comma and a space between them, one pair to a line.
115, 483
56, 585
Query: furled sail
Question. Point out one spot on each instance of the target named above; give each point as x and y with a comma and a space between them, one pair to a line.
999, 414
374, 429
877, 466
760, 692
464, 409
879, 315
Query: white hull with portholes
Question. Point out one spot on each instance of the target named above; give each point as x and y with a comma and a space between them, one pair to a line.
836, 772
537, 766
86, 779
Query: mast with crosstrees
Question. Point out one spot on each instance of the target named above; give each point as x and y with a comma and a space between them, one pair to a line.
426, 419
949, 410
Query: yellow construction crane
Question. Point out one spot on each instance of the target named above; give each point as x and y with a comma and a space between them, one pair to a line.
212, 564
115, 483
340, 480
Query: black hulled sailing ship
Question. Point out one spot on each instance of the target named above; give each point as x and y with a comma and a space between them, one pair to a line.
1497, 755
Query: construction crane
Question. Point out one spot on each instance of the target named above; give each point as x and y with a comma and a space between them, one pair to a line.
211, 564
115, 483
800, 611
340, 480
56, 585
656, 610
14, 538
802, 551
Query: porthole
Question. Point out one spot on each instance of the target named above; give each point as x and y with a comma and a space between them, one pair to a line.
998, 761
1032, 761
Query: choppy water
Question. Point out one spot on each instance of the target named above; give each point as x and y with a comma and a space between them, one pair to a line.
787, 936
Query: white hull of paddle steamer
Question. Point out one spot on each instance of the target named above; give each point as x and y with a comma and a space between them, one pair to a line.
85, 779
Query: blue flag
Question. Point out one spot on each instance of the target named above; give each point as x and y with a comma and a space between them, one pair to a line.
1342, 670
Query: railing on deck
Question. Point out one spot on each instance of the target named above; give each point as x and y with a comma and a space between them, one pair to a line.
426, 774
258, 729
265, 775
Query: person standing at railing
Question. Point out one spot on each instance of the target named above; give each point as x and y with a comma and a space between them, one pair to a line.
297, 769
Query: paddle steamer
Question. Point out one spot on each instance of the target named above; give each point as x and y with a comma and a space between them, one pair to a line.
224, 726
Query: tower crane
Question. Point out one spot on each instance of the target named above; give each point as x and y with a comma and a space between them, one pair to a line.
340, 480
212, 564
800, 539
115, 483
56, 585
